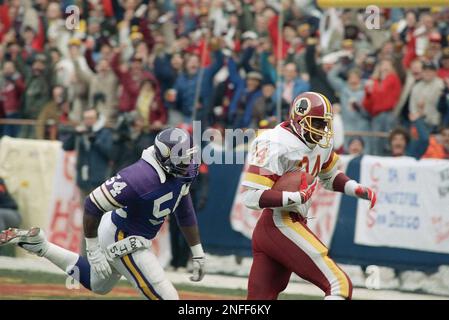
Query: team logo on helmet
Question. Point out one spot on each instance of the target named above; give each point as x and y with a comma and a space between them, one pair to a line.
301, 107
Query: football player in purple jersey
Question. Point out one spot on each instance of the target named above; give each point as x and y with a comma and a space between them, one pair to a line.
124, 214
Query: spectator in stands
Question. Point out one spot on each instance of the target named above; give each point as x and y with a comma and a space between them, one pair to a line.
443, 71
150, 107
167, 68
351, 94
439, 145
37, 91
246, 94
356, 146
186, 85
407, 37
382, 93
103, 82
9, 216
130, 78
130, 139
291, 84
56, 110
318, 72
443, 103
74, 73
426, 94
266, 105
11, 90
411, 142
93, 143
413, 75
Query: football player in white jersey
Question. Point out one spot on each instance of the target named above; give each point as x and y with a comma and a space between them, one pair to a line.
282, 243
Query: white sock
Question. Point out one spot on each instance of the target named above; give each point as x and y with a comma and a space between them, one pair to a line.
61, 257
334, 298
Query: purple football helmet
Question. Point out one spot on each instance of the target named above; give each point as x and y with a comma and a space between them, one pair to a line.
176, 153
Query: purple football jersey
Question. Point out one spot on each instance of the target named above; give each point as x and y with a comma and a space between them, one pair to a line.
140, 201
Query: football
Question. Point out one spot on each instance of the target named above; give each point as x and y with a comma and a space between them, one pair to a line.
293, 181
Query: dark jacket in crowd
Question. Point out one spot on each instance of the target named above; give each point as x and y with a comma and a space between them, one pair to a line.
443, 107
243, 101
94, 151
164, 72
186, 86
419, 139
127, 149
318, 78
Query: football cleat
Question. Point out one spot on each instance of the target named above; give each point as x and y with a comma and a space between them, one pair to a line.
32, 240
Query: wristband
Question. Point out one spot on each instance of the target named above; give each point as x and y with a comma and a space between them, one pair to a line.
197, 250
91, 243
288, 197
350, 188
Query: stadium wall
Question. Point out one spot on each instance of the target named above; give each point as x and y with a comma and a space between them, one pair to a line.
219, 237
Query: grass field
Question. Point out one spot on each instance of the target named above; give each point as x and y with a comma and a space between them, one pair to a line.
38, 285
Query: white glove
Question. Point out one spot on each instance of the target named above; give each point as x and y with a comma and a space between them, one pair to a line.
97, 258
198, 263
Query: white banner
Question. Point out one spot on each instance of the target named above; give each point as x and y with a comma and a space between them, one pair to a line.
412, 210
323, 212
65, 226
28, 167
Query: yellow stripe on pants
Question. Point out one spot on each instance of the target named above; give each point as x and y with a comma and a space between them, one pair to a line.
140, 281
322, 250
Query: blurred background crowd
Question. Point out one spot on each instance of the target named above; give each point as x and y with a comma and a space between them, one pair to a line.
107, 81
135, 67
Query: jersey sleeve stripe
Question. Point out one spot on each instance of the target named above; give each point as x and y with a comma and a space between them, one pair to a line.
255, 185
258, 179
263, 172
97, 204
328, 165
109, 197
102, 200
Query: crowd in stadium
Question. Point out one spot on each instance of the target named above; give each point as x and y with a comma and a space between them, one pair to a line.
124, 69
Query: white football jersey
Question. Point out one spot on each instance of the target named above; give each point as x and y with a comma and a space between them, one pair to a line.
278, 151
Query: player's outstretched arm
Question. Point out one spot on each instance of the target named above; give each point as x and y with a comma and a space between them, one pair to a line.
186, 218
